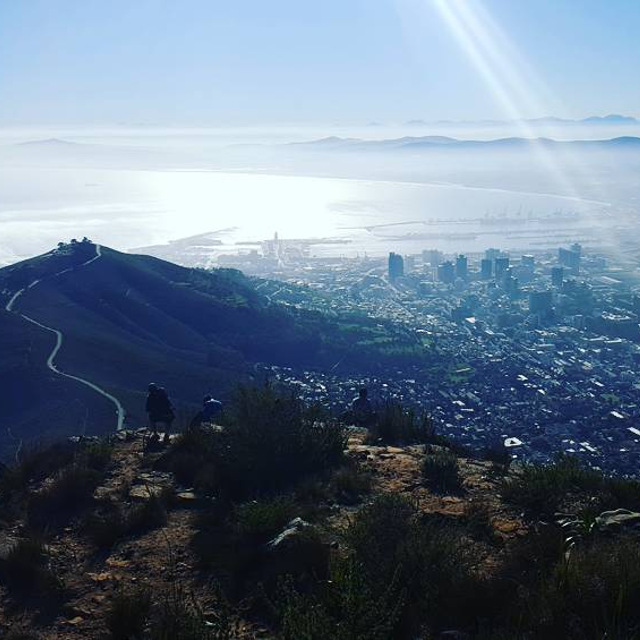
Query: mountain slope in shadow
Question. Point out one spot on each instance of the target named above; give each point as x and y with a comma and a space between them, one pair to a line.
127, 320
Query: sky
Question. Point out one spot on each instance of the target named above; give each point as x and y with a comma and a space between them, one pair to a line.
257, 62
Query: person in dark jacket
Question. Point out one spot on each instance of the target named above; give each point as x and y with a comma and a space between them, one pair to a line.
362, 409
211, 409
159, 408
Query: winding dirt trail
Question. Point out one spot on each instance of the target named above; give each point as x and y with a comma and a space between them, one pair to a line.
60, 338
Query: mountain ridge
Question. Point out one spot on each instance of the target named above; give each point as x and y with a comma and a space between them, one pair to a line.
449, 143
125, 320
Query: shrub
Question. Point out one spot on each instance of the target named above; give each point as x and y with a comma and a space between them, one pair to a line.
270, 440
71, 490
37, 463
350, 483
594, 592
377, 533
95, 455
106, 526
181, 618
20, 631
479, 519
440, 471
396, 425
25, 569
344, 607
403, 571
128, 613
150, 514
541, 489
260, 520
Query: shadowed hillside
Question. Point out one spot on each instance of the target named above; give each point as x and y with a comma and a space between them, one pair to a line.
126, 319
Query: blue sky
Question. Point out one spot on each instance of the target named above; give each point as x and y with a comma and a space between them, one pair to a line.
234, 62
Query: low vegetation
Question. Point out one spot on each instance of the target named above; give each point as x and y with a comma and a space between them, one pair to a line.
306, 542
398, 425
270, 440
128, 613
25, 569
440, 471
544, 489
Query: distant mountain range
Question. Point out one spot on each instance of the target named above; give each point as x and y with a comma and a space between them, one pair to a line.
418, 143
85, 316
613, 119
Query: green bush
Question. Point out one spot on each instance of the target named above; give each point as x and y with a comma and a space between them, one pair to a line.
344, 607
105, 526
150, 514
25, 569
479, 519
95, 455
128, 613
440, 471
394, 424
36, 463
401, 571
270, 440
350, 483
260, 520
20, 631
180, 617
593, 592
71, 490
542, 489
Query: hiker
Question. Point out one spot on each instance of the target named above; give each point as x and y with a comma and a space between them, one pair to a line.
211, 409
159, 408
362, 409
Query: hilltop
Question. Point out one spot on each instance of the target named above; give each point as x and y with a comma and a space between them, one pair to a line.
125, 320
387, 532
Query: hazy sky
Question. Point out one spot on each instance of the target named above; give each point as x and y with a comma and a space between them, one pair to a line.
219, 62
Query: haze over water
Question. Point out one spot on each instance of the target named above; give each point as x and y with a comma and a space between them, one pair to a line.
130, 190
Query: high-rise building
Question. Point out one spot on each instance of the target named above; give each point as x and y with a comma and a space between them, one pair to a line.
557, 276
486, 268
446, 272
396, 266
501, 264
510, 282
410, 263
541, 302
492, 254
432, 257
569, 258
528, 261
461, 266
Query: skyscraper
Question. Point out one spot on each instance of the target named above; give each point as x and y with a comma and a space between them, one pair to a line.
557, 276
396, 266
461, 266
486, 268
570, 257
501, 265
446, 272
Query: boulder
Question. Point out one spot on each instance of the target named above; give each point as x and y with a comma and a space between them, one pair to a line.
618, 519
298, 551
